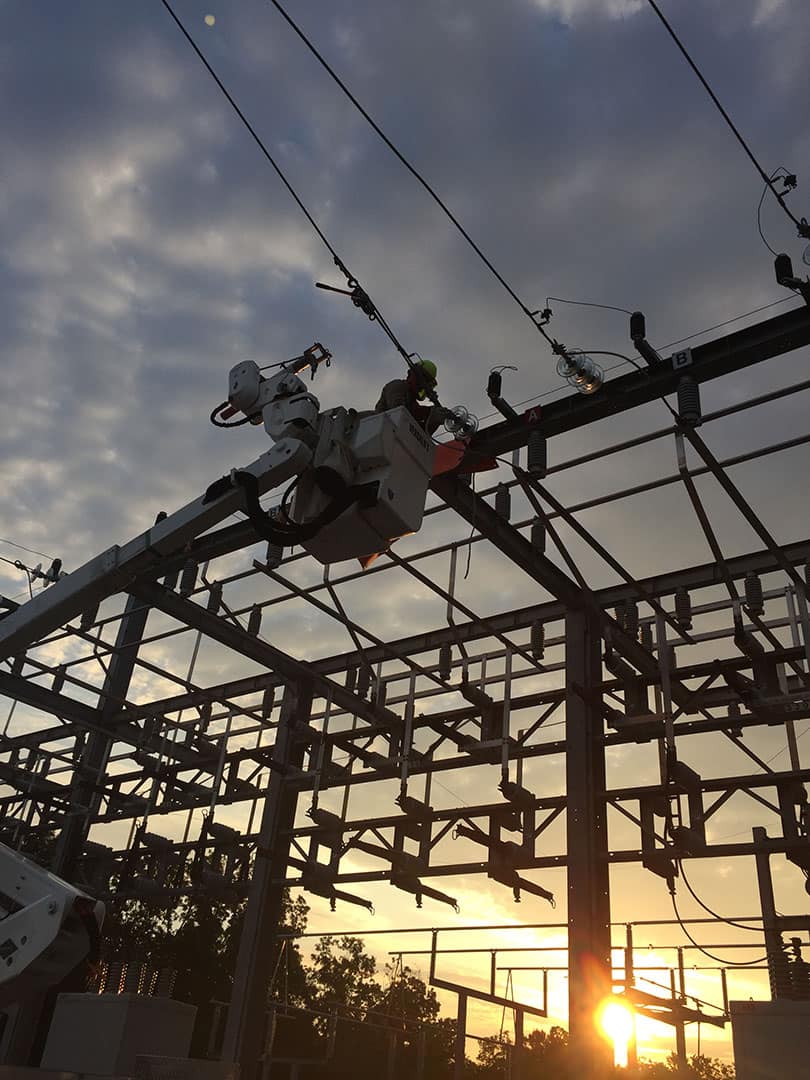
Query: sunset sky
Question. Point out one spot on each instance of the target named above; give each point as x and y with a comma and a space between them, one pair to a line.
147, 246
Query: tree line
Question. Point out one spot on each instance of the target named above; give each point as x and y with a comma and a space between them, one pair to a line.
337, 1010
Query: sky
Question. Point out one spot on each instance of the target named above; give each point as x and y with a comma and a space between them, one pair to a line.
147, 247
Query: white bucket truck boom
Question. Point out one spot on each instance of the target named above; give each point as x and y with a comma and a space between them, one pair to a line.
47, 928
360, 481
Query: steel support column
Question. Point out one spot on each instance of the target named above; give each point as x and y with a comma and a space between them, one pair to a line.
778, 975
589, 960
459, 1061
247, 1016
86, 797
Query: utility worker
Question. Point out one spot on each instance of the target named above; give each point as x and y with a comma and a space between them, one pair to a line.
412, 390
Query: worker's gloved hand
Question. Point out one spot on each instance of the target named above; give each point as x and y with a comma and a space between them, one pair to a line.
436, 417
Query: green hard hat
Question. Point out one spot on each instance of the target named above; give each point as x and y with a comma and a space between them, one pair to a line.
429, 369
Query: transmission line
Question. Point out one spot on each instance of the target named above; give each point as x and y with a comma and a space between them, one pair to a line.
557, 348
801, 224
22, 547
359, 296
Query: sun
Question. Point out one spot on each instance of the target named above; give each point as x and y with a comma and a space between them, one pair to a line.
617, 1020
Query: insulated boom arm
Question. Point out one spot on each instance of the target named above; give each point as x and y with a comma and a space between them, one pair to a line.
48, 928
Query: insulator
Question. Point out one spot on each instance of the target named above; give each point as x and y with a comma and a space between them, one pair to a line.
503, 501
88, 617
188, 577
255, 620
537, 454
53, 573
205, 715
683, 608
538, 535
783, 267
733, 710
461, 421
214, 597
445, 662
647, 636
631, 618
638, 325
351, 679
274, 555
689, 411
363, 680
58, 679
581, 372
618, 614
807, 574
538, 640
753, 593
268, 700
170, 581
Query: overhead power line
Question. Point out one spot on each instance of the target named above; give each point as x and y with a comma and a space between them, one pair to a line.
801, 224
31, 551
728, 322
556, 346
359, 296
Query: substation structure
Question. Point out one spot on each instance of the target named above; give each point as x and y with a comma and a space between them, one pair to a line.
302, 748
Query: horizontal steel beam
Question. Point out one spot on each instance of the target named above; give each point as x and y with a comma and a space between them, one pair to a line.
724, 355
238, 639
112, 570
698, 577
478, 513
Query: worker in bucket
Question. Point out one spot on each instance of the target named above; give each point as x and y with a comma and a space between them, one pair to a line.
410, 392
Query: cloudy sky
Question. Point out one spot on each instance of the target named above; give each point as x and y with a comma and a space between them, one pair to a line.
147, 246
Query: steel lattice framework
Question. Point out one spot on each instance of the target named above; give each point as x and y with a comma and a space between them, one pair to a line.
644, 664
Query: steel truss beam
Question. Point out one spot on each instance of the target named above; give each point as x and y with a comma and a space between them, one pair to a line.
482, 730
725, 355
703, 576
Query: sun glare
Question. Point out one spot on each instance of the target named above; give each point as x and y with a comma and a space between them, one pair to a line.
616, 1019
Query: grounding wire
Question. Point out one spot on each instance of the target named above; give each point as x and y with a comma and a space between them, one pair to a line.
785, 749
556, 346
776, 173
706, 908
587, 303
713, 956
801, 224
376, 316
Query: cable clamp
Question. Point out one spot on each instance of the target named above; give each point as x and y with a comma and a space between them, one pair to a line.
545, 316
